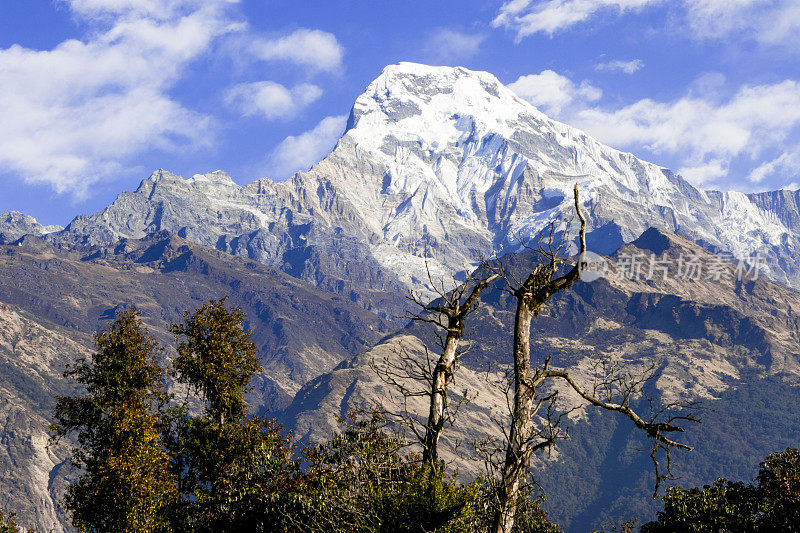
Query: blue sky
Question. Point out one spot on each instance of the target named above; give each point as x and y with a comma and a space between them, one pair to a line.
96, 94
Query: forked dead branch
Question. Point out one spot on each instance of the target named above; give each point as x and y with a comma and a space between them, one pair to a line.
529, 431
536, 416
447, 314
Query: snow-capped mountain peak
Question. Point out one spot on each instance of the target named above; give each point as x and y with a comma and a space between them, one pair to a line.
442, 165
454, 136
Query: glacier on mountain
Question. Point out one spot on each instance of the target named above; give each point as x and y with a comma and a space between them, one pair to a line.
437, 167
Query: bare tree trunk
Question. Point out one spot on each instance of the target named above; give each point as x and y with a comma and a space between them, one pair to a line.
442, 374
456, 313
531, 295
448, 315
516, 460
537, 289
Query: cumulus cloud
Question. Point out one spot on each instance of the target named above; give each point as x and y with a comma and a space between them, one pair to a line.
299, 152
312, 48
773, 22
551, 92
706, 134
73, 114
787, 165
81, 111
707, 172
271, 100
526, 17
618, 65
703, 131
755, 117
451, 45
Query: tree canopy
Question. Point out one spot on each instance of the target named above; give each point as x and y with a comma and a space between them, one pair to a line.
772, 503
126, 480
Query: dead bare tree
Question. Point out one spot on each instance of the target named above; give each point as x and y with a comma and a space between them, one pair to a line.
448, 314
525, 436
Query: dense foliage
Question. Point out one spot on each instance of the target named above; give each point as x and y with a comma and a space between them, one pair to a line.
149, 463
210, 451
217, 359
126, 481
770, 504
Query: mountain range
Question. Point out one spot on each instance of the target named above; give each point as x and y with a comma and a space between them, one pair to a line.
708, 338
54, 297
437, 168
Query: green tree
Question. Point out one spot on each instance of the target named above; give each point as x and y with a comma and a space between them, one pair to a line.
779, 485
152, 465
427, 501
217, 359
723, 506
770, 504
228, 464
361, 482
126, 480
239, 473
265, 489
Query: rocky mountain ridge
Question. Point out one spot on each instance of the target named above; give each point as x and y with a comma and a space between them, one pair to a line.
14, 225
54, 297
442, 165
437, 168
709, 336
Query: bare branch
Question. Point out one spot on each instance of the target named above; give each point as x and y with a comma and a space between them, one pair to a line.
654, 429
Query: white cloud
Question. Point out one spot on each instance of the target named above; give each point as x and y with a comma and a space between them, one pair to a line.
618, 65
786, 165
451, 45
707, 172
312, 48
703, 132
79, 112
299, 152
706, 134
773, 22
768, 22
526, 17
271, 100
552, 92
754, 118
158, 9
74, 114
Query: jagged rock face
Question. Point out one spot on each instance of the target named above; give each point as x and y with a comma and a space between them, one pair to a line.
708, 336
439, 163
448, 164
784, 204
33, 355
706, 331
451, 163
214, 211
14, 225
